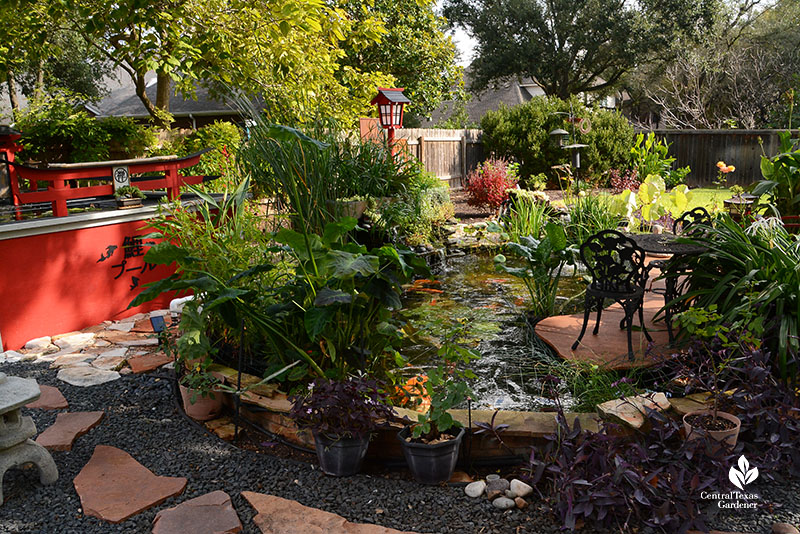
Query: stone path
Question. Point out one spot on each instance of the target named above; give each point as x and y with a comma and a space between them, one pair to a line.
212, 513
609, 348
113, 486
67, 428
282, 516
51, 399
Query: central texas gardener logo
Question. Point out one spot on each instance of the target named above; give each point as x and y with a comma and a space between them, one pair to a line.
742, 475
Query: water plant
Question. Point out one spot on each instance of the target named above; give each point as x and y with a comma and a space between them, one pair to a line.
589, 213
543, 264
527, 215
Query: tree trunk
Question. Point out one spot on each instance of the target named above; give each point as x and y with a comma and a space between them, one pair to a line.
12, 90
160, 119
39, 88
163, 91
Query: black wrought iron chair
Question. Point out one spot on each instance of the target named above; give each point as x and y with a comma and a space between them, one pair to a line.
690, 223
618, 270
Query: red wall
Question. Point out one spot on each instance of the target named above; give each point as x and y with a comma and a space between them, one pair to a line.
56, 282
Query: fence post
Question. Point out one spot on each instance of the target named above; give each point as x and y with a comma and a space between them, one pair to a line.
421, 149
464, 157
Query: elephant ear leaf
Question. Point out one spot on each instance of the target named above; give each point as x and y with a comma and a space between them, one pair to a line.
346, 265
327, 296
556, 235
316, 319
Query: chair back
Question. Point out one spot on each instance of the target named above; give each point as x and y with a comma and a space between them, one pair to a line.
691, 221
616, 262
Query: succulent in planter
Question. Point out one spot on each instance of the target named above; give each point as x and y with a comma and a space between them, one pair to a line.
342, 415
431, 444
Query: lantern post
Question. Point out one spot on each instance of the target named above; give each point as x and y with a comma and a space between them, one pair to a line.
390, 103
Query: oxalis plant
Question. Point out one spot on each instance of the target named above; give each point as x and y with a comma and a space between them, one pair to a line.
543, 263
446, 387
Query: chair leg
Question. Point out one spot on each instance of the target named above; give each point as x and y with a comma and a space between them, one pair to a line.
586, 312
629, 311
641, 321
599, 314
669, 295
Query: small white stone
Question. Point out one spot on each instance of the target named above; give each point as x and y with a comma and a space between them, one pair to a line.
40, 344
520, 488
504, 503
475, 489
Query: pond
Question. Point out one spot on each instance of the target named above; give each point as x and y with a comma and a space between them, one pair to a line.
493, 304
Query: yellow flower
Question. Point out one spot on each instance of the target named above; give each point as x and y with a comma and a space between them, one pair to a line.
720, 164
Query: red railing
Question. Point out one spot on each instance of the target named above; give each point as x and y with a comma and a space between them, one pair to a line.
62, 186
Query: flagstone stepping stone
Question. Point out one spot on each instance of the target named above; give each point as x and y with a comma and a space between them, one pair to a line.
282, 516
143, 326
70, 359
113, 486
67, 428
39, 344
222, 427
632, 411
110, 359
74, 340
101, 343
142, 342
211, 513
51, 399
117, 337
11, 356
85, 376
148, 362
122, 327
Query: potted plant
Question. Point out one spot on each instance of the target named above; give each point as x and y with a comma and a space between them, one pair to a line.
128, 196
720, 426
342, 415
739, 204
431, 444
201, 393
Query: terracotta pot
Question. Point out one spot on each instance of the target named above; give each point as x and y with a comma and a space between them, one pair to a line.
728, 437
204, 408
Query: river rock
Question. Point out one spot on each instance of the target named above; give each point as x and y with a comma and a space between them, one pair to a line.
475, 489
503, 503
499, 484
520, 488
521, 503
783, 528
510, 494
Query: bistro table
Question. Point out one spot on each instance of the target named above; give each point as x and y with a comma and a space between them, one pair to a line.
672, 268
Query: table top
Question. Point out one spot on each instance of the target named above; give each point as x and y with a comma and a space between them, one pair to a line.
665, 244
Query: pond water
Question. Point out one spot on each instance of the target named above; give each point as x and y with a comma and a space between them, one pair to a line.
493, 305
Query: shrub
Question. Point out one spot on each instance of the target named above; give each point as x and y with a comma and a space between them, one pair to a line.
521, 133
751, 276
650, 155
623, 181
56, 129
418, 213
488, 185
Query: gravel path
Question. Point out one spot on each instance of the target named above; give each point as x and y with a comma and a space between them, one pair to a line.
141, 419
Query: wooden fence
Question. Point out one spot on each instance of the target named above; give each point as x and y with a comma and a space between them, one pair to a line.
702, 149
452, 154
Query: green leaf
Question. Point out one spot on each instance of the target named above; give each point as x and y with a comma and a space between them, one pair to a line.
335, 230
316, 319
556, 235
327, 296
165, 253
346, 265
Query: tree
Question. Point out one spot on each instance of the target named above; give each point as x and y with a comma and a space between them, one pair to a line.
285, 51
737, 76
414, 50
572, 46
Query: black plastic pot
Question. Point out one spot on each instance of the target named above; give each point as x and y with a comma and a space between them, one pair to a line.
340, 457
431, 464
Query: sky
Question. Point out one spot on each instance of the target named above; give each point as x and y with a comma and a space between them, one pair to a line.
465, 45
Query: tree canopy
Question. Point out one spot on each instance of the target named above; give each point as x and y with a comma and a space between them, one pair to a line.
572, 46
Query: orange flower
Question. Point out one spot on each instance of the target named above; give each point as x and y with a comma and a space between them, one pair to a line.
413, 393
720, 164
